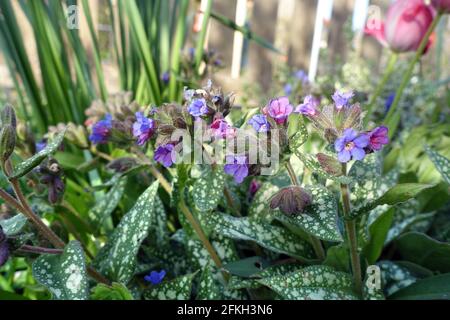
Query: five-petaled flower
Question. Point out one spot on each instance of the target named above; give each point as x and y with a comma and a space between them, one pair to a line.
198, 108
342, 99
260, 123
166, 155
308, 107
351, 146
143, 128
101, 130
155, 277
279, 109
378, 137
237, 166
222, 130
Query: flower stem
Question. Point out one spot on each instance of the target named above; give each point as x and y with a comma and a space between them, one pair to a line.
350, 227
387, 74
316, 243
393, 118
39, 250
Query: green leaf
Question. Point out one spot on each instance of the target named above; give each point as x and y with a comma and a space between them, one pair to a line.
177, 289
117, 259
441, 163
208, 189
64, 275
398, 194
312, 283
26, 166
14, 225
116, 291
246, 267
320, 218
433, 288
208, 288
299, 138
106, 205
395, 276
425, 251
338, 258
159, 224
378, 233
268, 236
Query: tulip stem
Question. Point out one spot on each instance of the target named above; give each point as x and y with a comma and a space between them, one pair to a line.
350, 227
393, 117
315, 242
387, 74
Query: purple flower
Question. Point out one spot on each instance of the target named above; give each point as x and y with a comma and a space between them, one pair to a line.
254, 187
302, 75
342, 99
378, 137
198, 108
389, 101
4, 247
279, 109
40, 145
237, 166
165, 155
308, 107
143, 128
351, 146
287, 89
259, 123
101, 130
155, 277
165, 77
221, 129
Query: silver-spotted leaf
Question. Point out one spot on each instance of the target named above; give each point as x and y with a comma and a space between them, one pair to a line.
177, 289
14, 225
208, 189
441, 163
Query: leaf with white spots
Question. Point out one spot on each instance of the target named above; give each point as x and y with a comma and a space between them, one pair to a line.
105, 206
299, 138
395, 277
177, 289
117, 259
64, 275
159, 224
319, 219
26, 166
208, 288
312, 283
271, 237
14, 225
441, 163
208, 189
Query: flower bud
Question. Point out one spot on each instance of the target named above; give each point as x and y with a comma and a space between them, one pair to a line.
7, 142
8, 116
122, 164
4, 248
291, 200
330, 164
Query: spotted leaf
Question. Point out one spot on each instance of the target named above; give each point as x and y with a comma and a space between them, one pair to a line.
177, 289
14, 225
208, 189
441, 163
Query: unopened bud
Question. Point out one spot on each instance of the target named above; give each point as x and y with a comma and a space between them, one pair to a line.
7, 142
291, 200
8, 116
330, 164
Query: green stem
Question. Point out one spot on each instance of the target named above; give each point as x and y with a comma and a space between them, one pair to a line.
387, 74
316, 243
393, 117
350, 227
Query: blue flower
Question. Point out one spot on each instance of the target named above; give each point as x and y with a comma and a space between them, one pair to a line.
237, 166
308, 107
143, 128
165, 78
287, 89
198, 108
302, 76
389, 101
351, 146
260, 123
165, 155
40, 145
155, 277
101, 130
342, 99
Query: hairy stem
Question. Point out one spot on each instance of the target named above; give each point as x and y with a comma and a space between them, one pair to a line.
316, 243
350, 227
393, 117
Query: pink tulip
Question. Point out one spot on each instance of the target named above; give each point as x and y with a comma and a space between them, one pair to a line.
407, 22
441, 5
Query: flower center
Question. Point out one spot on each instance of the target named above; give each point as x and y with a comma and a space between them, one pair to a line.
350, 145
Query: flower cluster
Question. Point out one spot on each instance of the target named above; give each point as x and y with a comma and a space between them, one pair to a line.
51, 175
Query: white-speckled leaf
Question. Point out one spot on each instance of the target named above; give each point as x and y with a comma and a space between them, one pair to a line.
64, 275
259, 207
395, 277
208, 288
117, 259
208, 189
159, 224
299, 138
441, 163
26, 166
312, 283
14, 225
320, 219
103, 209
177, 289
268, 236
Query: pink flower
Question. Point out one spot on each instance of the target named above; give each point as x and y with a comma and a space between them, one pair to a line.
279, 109
378, 137
407, 22
441, 5
222, 130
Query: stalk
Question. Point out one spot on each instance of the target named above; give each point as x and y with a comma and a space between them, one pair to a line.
393, 118
316, 243
350, 227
